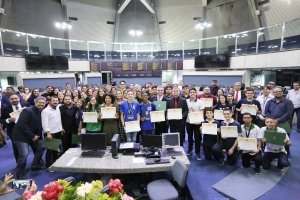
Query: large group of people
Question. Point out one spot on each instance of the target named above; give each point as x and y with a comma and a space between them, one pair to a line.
59, 114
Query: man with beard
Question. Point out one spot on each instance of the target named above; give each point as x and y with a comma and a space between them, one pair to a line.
68, 112
207, 94
48, 94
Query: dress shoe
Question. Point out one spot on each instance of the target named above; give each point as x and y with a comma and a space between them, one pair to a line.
21, 176
40, 167
42, 162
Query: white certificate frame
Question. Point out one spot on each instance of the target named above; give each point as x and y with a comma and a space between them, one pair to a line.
132, 126
90, 117
229, 131
209, 129
207, 102
248, 108
195, 117
247, 144
174, 114
157, 116
108, 112
218, 115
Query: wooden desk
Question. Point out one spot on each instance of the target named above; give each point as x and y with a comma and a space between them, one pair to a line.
72, 162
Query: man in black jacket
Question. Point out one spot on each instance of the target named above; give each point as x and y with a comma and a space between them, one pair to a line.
29, 129
9, 122
178, 102
160, 127
68, 112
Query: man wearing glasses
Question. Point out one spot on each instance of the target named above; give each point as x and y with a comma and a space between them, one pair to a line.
280, 109
122, 85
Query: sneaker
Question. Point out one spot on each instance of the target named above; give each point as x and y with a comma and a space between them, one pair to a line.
39, 167
221, 161
49, 170
198, 156
257, 170
280, 168
189, 152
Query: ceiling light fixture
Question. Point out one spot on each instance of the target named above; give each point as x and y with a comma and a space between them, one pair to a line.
201, 24
63, 25
135, 31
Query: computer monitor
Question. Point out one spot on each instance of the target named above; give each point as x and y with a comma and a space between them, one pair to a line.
93, 141
152, 141
170, 140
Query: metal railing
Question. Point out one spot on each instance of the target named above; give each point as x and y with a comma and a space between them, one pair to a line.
278, 37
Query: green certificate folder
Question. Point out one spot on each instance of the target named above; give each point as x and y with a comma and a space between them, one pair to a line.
275, 137
286, 126
76, 139
52, 145
160, 105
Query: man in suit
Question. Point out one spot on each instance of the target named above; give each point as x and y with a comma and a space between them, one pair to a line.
9, 122
238, 93
160, 127
178, 102
29, 129
5, 99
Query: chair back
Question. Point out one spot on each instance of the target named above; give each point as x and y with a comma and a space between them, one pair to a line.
179, 172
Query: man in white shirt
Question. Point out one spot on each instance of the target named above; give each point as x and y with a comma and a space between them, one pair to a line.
250, 130
273, 151
193, 129
51, 123
294, 96
263, 99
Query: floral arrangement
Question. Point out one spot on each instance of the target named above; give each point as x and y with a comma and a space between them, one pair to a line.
63, 190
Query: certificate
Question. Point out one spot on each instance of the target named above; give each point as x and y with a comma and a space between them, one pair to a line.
157, 116
195, 117
229, 131
174, 113
108, 112
247, 108
132, 126
249, 144
16, 114
160, 105
210, 129
90, 117
218, 115
207, 102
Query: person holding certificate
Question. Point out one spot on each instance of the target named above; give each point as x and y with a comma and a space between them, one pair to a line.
206, 95
78, 116
130, 111
250, 130
210, 138
95, 108
222, 104
193, 129
273, 151
160, 127
231, 103
177, 102
146, 107
228, 144
249, 100
110, 126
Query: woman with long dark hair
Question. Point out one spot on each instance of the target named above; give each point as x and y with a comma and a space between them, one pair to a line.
34, 94
78, 116
94, 107
110, 126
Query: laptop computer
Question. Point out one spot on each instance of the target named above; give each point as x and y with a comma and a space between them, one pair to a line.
275, 137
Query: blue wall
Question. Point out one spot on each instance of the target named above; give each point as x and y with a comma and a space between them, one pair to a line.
206, 80
44, 82
94, 80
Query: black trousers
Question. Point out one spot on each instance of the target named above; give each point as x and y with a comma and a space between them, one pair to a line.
208, 152
269, 156
51, 155
216, 151
161, 127
194, 132
178, 126
246, 158
66, 139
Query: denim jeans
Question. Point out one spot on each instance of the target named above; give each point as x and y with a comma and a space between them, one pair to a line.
131, 137
23, 149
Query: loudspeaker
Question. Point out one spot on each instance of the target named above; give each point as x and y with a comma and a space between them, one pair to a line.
11, 80
115, 143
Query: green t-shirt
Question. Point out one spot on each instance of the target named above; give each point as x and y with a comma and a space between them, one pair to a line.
94, 126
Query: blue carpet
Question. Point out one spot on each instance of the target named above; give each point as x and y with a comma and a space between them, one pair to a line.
202, 174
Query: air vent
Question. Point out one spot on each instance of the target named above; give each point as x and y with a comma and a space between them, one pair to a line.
73, 18
162, 22
108, 22
196, 18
